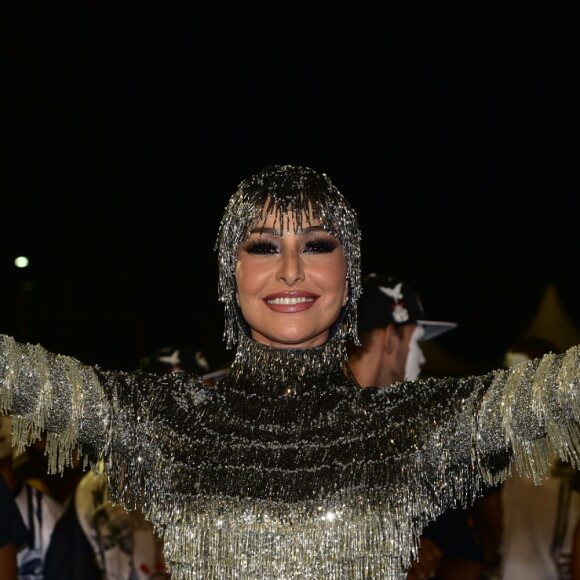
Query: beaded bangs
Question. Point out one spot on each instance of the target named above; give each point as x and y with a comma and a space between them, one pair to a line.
295, 196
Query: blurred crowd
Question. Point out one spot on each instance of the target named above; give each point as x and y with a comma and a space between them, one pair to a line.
63, 526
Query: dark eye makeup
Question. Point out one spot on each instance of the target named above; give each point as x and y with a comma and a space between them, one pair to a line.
319, 244
261, 246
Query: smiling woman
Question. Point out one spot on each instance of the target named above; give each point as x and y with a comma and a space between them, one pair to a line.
291, 285
287, 468
291, 230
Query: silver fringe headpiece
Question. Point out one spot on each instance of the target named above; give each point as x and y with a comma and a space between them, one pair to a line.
292, 194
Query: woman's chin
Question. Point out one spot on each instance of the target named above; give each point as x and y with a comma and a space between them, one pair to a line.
291, 340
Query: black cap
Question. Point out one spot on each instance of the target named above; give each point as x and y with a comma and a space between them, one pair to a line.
172, 359
386, 300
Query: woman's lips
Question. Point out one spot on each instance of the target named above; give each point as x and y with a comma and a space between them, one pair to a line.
289, 302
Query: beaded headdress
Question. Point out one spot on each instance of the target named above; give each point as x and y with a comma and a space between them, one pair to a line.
292, 194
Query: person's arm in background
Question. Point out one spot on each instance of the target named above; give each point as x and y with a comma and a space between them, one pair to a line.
576, 554
8, 566
429, 558
13, 533
8, 569
575, 560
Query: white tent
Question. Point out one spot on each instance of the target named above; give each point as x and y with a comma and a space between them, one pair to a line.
552, 322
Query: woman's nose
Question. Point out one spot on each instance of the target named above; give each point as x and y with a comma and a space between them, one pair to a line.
291, 268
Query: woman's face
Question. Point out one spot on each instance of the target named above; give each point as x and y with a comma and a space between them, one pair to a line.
291, 288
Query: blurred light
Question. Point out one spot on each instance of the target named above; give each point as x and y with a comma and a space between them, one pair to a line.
21, 262
329, 516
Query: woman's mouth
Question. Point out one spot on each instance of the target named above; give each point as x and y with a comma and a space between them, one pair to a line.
289, 302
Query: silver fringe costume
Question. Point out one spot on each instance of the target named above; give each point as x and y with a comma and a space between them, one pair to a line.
287, 469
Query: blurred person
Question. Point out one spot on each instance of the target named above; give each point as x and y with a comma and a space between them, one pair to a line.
392, 325
539, 522
31, 465
125, 544
185, 359
39, 511
13, 533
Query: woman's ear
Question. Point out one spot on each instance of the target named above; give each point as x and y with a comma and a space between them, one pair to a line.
237, 298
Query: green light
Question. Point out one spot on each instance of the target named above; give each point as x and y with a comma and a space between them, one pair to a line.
21, 262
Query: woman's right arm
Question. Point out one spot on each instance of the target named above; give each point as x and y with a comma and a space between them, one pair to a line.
55, 394
126, 419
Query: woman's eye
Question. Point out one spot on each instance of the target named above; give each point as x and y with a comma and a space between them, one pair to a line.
261, 247
321, 246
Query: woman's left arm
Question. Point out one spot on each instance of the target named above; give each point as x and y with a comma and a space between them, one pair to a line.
533, 409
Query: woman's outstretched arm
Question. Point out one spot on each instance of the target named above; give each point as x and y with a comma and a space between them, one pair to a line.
55, 394
533, 409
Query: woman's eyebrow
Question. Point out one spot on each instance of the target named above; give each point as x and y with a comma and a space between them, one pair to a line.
276, 232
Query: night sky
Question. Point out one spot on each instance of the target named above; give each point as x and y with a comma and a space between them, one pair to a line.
455, 136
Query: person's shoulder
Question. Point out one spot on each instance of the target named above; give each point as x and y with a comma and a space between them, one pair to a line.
12, 528
32, 493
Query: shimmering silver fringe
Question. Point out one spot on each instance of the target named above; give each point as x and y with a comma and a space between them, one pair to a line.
163, 437
291, 194
51, 393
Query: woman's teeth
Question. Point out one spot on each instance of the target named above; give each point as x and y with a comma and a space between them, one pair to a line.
290, 300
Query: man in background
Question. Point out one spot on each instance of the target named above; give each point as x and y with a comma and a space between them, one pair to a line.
39, 510
392, 325
13, 533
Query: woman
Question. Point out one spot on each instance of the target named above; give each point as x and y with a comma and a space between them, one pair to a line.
287, 468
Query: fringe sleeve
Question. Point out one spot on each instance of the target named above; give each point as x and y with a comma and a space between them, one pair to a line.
532, 409
125, 419
447, 440
53, 393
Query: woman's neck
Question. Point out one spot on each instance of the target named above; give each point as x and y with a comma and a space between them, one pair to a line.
295, 368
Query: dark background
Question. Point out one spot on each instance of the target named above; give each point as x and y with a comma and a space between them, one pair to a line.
124, 131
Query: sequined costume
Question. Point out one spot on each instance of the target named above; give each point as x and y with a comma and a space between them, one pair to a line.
287, 469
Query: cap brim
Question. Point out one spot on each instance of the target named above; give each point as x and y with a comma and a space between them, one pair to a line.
216, 375
434, 328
